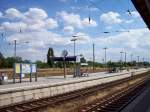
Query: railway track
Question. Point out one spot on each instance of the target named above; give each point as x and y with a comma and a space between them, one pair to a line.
116, 102
33, 106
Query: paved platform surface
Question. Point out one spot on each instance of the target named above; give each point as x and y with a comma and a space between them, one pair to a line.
55, 80
141, 103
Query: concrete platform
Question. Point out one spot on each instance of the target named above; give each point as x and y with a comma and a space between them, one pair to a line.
141, 103
51, 86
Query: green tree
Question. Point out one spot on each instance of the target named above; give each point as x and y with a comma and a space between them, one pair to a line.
9, 61
2, 60
50, 54
40, 64
59, 64
83, 60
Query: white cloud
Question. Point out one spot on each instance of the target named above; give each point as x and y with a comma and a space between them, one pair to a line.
33, 19
86, 22
1, 14
129, 21
108, 27
83, 38
68, 29
15, 26
36, 13
131, 40
13, 13
36, 31
36, 26
71, 19
135, 41
111, 18
75, 20
40, 39
51, 23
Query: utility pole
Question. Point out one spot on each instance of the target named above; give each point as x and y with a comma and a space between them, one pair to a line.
125, 54
74, 39
105, 59
93, 56
14, 76
15, 41
121, 59
74, 43
15, 50
131, 60
143, 61
131, 57
138, 60
121, 56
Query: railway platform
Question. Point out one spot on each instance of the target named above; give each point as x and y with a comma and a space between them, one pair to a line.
52, 86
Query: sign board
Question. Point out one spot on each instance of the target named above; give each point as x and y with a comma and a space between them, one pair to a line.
78, 59
33, 68
17, 68
68, 58
25, 68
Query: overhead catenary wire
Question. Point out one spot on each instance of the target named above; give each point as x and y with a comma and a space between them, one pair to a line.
4, 46
126, 6
89, 14
102, 11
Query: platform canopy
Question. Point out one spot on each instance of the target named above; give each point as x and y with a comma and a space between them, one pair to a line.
67, 58
143, 7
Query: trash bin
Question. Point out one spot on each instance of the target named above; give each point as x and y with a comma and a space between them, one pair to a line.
3, 79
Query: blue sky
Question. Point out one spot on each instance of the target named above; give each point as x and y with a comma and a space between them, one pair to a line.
51, 23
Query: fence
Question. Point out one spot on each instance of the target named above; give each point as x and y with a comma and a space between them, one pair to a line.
53, 71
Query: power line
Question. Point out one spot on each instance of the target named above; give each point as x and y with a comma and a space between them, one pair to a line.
102, 11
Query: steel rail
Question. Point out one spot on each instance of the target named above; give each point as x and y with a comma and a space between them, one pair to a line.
118, 101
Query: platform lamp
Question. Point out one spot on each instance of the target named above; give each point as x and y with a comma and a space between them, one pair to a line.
121, 53
74, 39
105, 59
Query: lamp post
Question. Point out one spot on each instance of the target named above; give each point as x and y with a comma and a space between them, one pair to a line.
15, 46
131, 60
131, 57
138, 60
2, 36
121, 58
105, 59
143, 60
93, 56
74, 39
74, 43
125, 59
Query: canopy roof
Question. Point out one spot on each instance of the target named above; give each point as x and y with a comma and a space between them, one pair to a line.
143, 7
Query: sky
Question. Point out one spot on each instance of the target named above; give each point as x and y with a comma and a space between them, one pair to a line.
52, 23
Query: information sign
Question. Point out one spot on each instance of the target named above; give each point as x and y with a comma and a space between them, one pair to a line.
17, 68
